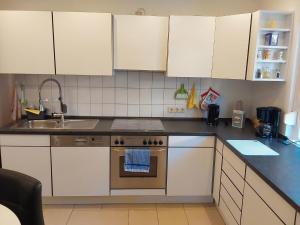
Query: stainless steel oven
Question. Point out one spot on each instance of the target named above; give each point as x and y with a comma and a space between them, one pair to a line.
155, 178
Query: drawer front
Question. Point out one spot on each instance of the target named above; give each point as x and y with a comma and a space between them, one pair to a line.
234, 176
227, 216
219, 146
273, 200
235, 162
192, 141
232, 190
233, 208
25, 140
217, 177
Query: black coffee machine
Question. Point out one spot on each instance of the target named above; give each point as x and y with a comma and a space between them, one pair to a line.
269, 118
213, 114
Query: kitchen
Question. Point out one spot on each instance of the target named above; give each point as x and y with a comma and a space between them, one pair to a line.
136, 75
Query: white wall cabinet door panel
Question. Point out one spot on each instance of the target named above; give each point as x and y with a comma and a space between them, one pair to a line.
190, 171
231, 46
191, 46
80, 171
83, 43
255, 211
32, 161
217, 177
26, 42
140, 42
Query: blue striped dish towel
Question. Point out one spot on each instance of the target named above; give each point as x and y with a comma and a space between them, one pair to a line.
137, 160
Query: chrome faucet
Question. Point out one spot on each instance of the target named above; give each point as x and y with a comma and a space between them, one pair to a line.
63, 106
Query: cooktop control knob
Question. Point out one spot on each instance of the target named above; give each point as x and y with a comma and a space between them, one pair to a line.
144, 142
122, 142
116, 142
160, 142
149, 142
155, 142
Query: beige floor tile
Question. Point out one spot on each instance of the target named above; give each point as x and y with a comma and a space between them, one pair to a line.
143, 216
115, 206
142, 206
200, 214
114, 216
57, 214
85, 217
171, 214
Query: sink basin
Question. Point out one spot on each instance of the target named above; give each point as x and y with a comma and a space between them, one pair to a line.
252, 147
56, 124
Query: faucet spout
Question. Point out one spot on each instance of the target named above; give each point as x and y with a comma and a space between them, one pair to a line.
63, 107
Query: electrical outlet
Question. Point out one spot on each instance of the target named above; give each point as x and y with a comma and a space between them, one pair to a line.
180, 110
172, 109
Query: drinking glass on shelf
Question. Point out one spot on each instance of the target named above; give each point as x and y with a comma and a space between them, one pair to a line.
266, 73
259, 54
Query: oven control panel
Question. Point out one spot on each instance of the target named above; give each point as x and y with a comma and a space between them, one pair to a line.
138, 141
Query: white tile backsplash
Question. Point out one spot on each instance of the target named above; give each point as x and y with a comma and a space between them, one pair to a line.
134, 96
145, 96
127, 93
121, 95
133, 79
84, 95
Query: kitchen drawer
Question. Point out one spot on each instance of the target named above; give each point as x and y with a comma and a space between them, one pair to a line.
272, 199
226, 214
234, 176
191, 141
232, 190
233, 208
219, 146
235, 162
25, 140
217, 177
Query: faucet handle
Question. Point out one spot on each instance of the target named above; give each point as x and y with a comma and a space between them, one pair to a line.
64, 108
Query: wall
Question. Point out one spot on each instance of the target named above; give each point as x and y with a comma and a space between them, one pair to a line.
153, 7
133, 94
6, 84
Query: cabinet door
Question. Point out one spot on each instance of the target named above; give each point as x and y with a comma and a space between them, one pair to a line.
83, 43
255, 211
217, 177
140, 42
26, 42
231, 46
32, 161
190, 171
79, 171
191, 43
298, 219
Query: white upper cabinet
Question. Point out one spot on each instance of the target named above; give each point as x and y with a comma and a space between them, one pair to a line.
26, 42
140, 42
83, 43
191, 45
231, 46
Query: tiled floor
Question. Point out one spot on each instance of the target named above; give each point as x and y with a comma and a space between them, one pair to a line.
132, 214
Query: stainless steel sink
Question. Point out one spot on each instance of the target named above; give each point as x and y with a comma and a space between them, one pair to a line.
57, 124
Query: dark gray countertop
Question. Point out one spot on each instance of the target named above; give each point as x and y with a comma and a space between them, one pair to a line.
281, 172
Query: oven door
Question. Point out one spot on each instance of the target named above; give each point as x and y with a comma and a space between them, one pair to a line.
155, 179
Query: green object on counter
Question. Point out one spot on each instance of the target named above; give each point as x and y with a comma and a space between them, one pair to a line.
181, 93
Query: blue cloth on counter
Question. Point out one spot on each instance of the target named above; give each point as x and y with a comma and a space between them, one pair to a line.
137, 160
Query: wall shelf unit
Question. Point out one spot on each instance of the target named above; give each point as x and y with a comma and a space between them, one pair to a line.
269, 45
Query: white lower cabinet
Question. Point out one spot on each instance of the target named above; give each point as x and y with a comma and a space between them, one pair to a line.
226, 214
80, 171
32, 161
217, 177
190, 171
255, 210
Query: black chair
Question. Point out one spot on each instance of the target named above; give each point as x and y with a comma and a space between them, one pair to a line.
23, 195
